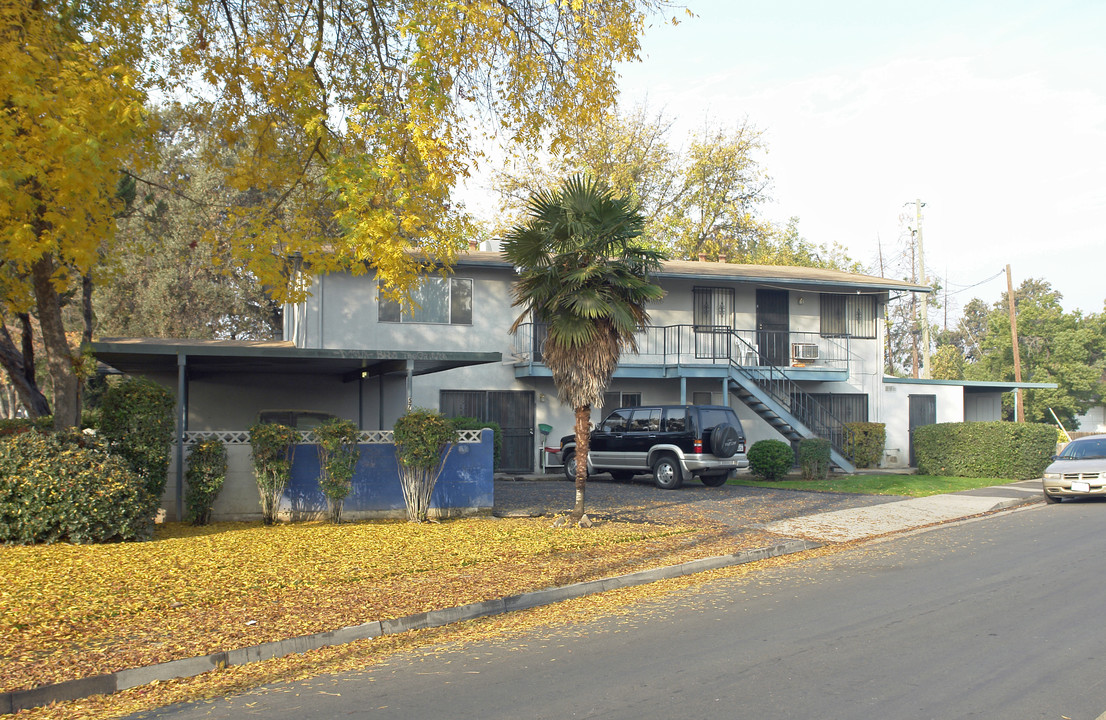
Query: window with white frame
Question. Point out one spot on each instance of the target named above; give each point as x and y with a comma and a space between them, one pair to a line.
435, 300
849, 316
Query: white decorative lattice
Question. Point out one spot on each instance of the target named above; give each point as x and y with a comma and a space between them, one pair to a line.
370, 437
228, 437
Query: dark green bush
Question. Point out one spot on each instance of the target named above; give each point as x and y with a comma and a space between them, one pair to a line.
1018, 451
864, 443
471, 423
15, 426
136, 420
207, 469
58, 487
770, 459
338, 453
271, 447
814, 458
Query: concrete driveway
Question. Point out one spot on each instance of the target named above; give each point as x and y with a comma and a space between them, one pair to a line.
639, 500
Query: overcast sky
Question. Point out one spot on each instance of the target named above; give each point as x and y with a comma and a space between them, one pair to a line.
992, 113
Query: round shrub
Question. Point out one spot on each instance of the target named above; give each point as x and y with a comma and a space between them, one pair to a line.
68, 487
770, 459
207, 469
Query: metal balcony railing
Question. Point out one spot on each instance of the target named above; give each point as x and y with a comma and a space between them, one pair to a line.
710, 345
762, 357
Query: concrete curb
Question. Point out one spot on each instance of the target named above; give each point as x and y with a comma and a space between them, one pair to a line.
11, 702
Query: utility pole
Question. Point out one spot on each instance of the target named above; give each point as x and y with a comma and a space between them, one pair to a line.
888, 364
1017, 353
918, 205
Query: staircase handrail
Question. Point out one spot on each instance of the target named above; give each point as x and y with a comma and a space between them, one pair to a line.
814, 414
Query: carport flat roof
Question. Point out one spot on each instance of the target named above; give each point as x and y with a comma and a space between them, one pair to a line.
973, 385
154, 355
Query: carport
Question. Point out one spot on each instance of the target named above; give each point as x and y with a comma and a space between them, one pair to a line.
275, 370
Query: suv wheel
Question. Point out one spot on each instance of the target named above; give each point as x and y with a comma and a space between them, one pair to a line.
666, 473
724, 440
570, 466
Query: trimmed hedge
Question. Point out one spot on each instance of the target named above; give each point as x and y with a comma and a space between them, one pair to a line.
864, 443
770, 459
814, 458
1018, 451
471, 423
136, 419
68, 487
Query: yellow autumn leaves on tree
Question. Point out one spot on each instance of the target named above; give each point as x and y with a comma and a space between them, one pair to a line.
344, 127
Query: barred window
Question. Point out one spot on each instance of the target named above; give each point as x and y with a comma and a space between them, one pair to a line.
849, 316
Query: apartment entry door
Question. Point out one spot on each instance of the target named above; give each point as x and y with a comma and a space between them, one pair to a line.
512, 409
773, 324
923, 411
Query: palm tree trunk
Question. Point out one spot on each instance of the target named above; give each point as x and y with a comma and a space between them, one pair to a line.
583, 446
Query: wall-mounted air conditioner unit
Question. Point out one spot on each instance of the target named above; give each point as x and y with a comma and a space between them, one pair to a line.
804, 351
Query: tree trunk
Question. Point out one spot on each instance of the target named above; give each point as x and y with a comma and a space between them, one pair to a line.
59, 358
86, 308
22, 380
583, 446
27, 342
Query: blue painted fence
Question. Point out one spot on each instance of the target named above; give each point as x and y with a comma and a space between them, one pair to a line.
464, 487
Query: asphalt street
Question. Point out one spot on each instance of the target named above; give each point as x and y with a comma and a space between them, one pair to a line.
995, 618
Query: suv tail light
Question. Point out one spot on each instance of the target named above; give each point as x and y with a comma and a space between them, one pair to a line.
699, 445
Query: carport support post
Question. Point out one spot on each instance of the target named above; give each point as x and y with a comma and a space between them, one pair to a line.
182, 419
410, 382
683, 390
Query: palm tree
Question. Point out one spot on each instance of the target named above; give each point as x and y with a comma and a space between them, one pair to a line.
583, 270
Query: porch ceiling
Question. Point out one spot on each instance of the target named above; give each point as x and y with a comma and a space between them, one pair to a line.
143, 356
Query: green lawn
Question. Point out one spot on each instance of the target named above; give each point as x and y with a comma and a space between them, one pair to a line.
911, 485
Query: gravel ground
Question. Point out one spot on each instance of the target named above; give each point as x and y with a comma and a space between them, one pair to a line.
638, 500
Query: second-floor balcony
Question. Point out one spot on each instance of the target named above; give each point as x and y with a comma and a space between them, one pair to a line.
805, 355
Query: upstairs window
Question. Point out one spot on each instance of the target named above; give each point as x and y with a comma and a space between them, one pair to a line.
849, 316
435, 300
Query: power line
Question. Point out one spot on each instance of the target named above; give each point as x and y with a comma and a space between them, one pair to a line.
969, 287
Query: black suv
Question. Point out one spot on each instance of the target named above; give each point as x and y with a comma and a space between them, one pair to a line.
674, 442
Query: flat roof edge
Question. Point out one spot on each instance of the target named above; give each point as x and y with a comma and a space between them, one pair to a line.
989, 384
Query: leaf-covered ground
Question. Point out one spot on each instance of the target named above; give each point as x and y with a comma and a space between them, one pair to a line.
74, 611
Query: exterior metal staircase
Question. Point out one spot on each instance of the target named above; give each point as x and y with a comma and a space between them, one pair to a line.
779, 401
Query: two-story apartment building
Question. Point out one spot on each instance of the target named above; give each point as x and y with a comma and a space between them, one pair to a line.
795, 351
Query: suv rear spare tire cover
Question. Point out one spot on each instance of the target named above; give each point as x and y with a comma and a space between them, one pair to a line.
724, 440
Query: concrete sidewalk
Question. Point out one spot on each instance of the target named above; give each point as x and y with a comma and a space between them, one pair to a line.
857, 523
